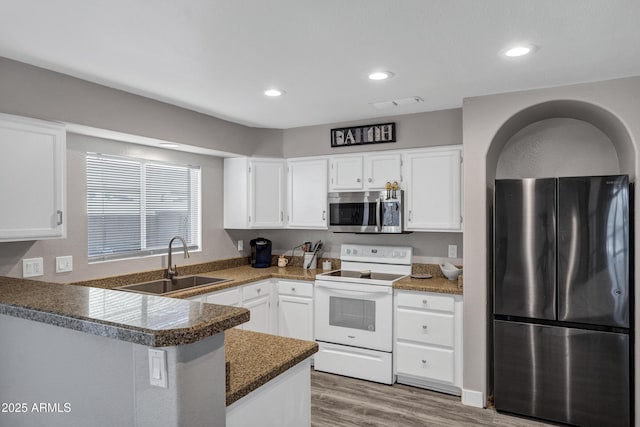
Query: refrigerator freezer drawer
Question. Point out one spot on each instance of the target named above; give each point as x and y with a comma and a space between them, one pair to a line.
560, 374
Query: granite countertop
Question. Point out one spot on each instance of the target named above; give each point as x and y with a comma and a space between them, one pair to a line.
247, 274
435, 284
255, 358
142, 319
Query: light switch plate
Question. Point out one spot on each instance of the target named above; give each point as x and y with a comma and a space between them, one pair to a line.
453, 251
240, 245
158, 368
64, 264
32, 267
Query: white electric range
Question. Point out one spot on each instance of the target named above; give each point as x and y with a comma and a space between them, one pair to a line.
354, 311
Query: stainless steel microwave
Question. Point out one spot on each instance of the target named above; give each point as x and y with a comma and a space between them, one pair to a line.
366, 212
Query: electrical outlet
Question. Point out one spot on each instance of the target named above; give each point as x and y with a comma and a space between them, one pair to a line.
240, 245
32, 267
453, 251
64, 264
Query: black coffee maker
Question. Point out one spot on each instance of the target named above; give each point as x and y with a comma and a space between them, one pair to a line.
260, 252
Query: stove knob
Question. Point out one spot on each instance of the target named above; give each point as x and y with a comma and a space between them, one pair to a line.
394, 254
402, 254
348, 251
355, 252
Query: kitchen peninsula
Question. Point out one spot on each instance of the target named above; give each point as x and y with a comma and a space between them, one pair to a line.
82, 355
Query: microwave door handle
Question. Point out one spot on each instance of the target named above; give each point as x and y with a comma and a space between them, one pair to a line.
378, 209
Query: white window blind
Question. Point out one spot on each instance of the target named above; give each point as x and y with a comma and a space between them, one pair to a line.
135, 207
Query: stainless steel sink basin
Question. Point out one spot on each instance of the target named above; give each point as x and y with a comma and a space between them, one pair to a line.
169, 286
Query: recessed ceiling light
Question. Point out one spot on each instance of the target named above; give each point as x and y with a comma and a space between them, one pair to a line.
380, 75
274, 92
519, 50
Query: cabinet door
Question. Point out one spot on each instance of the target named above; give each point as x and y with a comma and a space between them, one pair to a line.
32, 179
434, 190
295, 317
266, 193
260, 320
307, 194
382, 168
346, 173
227, 297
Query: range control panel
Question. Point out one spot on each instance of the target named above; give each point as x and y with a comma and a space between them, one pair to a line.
376, 253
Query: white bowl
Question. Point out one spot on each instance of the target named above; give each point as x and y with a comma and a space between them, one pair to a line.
450, 271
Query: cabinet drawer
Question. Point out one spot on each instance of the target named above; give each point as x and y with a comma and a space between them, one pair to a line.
426, 327
427, 301
256, 290
425, 362
300, 289
227, 297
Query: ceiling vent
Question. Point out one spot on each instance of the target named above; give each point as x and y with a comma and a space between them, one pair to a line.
397, 102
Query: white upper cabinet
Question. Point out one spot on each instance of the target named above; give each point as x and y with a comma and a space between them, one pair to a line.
382, 168
346, 173
365, 172
32, 179
307, 193
433, 189
254, 193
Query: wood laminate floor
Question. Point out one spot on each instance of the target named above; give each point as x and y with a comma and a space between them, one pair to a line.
346, 402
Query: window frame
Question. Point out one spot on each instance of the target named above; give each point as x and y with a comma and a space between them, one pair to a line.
194, 246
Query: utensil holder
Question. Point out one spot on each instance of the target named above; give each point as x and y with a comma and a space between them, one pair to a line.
308, 258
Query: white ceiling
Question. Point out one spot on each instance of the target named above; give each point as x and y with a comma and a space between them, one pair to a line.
217, 57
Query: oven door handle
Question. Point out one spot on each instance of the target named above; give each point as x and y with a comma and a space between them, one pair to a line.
355, 289
378, 208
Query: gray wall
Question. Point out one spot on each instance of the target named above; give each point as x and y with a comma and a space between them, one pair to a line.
216, 244
35, 92
413, 131
616, 104
557, 147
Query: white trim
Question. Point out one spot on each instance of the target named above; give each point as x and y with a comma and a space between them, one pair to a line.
473, 398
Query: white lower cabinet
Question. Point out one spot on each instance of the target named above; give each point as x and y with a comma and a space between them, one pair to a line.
279, 307
231, 297
428, 340
295, 309
257, 298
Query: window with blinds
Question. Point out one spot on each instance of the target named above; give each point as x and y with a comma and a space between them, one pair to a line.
135, 207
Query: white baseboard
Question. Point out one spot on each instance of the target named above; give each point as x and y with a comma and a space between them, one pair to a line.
473, 398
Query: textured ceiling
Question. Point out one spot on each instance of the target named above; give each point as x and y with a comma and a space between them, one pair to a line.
217, 57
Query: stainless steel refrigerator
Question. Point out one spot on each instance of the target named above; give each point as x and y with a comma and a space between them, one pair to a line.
561, 299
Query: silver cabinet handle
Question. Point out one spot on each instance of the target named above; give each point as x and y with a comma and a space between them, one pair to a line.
259, 290
59, 217
324, 215
281, 216
293, 289
424, 362
370, 179
424, 327
358, 180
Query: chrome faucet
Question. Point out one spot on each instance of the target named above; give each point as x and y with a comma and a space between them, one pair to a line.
171, 272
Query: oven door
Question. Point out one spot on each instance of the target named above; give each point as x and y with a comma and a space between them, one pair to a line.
354, 314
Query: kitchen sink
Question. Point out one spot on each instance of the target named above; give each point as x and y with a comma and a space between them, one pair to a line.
169, 286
